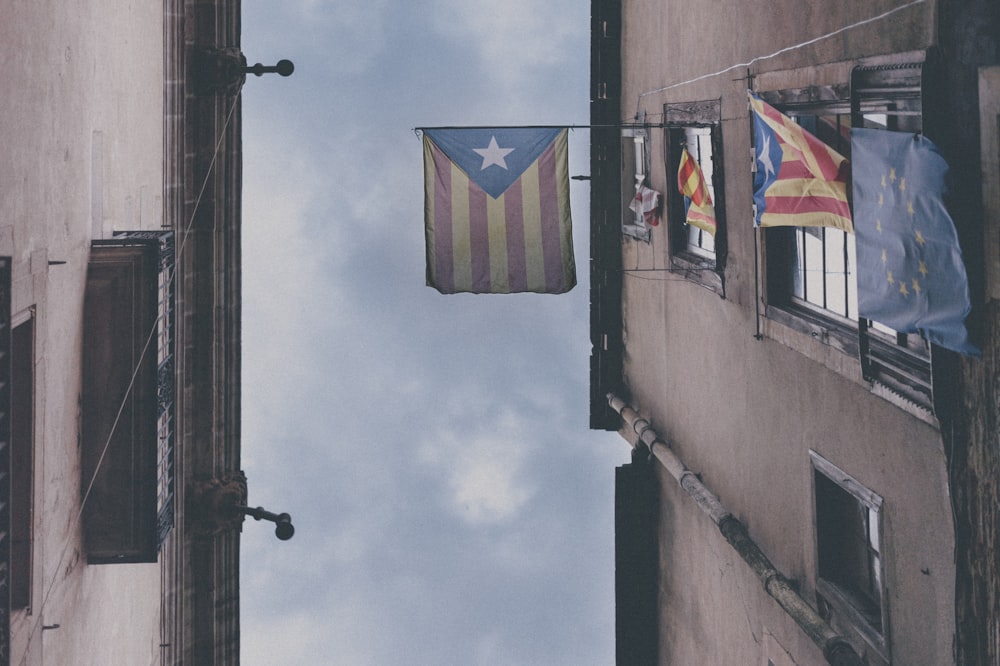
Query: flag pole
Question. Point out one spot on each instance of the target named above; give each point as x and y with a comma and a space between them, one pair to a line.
758, 334
484, 127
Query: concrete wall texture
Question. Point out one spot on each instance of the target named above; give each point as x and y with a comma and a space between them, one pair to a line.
81, 127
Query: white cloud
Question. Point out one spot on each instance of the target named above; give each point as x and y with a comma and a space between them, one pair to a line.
484, 486
352, 32
483, 469
513, 38
299, 637
512, 33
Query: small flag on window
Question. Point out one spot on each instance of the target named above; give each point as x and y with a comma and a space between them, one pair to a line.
496, 210
911, 276
800, 181
647, 203
699, 209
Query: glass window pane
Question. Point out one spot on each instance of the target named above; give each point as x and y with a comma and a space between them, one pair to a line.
799, 267
836, 271
708, 242
876, 590
813, 262
873, 530
698, 141
852, 277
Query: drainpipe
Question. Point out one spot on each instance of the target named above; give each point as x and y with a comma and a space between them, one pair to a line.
835, 647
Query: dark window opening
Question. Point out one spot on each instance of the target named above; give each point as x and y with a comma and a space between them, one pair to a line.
5, 443
699, 143
635, 170
22, 416
696, 253
850, 557
127, 399
847, 535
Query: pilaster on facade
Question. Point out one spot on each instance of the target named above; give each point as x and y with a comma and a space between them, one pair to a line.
202, 192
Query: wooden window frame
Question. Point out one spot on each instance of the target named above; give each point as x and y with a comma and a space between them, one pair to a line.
703, 268
22, 459
635, 172
899, 363
126, 434
837, 602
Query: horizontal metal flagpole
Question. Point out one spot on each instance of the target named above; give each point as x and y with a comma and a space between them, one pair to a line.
483, 127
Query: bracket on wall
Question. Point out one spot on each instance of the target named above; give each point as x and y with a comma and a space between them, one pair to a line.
223, 71
219, 505
213, 504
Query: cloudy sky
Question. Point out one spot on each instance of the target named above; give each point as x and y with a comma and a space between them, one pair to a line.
451, 505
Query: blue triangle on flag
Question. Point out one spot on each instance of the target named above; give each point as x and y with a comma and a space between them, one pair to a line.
494, 158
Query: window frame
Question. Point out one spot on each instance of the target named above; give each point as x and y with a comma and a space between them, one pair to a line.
129, 299
6, 284
838, 604
635, 172
903, 364
897, 363
22, 459
700, 267
827, 326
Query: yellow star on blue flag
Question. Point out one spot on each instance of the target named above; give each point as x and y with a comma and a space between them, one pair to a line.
911, 276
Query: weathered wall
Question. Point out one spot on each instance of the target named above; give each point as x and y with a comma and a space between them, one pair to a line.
970, 36
81, 135
745, 412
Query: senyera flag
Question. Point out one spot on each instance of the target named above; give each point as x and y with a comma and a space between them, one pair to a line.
800, 181
700, 211
496, 210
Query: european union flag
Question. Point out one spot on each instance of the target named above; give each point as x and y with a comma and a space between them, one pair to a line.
911, 276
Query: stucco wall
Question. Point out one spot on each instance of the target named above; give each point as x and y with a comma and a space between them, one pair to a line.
81, 133
744, 412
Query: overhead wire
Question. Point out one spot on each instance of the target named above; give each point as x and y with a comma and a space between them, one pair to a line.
782, 51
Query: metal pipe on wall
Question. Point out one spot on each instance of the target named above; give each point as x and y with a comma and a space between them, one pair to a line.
836, 649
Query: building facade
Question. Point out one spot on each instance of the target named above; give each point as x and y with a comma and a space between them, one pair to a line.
119, 333
807, 486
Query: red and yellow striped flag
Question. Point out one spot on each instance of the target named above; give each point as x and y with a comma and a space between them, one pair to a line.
800, 181
496, 210
691, 183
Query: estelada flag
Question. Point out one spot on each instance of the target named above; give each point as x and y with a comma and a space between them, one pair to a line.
699, 209
496, 210
800, 181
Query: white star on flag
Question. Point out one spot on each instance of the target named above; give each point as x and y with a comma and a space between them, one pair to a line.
765, 157
493, 154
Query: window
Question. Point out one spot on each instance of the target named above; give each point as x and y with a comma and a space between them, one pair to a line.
891, 98
127, 401
22, 439
635, 167
17, 431
849, 554
5, 432
811, 271
698, 254
698, 141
